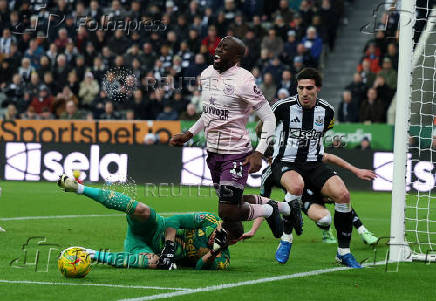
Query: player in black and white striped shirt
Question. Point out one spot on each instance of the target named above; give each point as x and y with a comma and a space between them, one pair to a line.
302, 121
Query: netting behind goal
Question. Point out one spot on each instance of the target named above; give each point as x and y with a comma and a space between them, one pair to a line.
420, 200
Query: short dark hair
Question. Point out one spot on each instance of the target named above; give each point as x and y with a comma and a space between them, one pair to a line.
310, 73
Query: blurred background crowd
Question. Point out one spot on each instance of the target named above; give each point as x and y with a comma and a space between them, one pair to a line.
54, 55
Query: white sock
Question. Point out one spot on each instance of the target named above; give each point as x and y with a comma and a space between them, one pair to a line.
361, 229
343, 251
80, 188
284, 208
290, 197
287, 237
267, 210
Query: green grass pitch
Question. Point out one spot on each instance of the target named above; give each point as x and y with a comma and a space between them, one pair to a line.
250, 260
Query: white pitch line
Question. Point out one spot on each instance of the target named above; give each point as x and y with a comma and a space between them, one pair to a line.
249, 282
93, 284
25, 218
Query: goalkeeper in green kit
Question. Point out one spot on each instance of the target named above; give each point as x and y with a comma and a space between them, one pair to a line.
194, 240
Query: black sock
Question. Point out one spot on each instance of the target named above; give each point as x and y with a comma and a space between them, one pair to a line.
344, 227
287, 225
356, 220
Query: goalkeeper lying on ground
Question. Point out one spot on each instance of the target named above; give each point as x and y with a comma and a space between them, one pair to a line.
194, 240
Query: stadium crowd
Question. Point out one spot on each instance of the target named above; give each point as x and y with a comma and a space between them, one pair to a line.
54, 54
369, 95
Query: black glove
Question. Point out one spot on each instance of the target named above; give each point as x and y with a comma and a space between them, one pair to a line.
166, 258
220, 242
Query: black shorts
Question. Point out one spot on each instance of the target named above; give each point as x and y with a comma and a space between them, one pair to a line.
314, 174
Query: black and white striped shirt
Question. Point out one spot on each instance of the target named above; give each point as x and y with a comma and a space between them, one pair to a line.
299, 131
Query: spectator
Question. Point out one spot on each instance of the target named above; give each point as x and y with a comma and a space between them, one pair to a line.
98, 69
167, 114
11, 113
275, 68
298, 64
149, 139
268, 86
389, 74
221, 24
30, 114
288, 83
70, 112
384, 92
392, 53
44, 66
62, 40
372, 109
306, 12
26, 69
282, 93
6, 40
284, 11
330, 21
259, 30
313, 43
43, 100
357, 88
239, 28
119, 43
348, 109
46, 114
194, 41
281, 28
34, 85
130, 115
289, 48
212, 40
229, 9
365, 144
195, 69
365, 72
190, 113
109, 112
257, 76
305, 54
88, 90
14, 91
372, 55
272, 43
52, 54
60, 72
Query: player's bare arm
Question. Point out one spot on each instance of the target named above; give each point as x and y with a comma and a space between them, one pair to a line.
361, 173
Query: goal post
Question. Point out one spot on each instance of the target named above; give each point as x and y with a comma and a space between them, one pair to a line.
413, 214
398, 248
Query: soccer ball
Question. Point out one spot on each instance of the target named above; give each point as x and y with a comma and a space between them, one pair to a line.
74, 262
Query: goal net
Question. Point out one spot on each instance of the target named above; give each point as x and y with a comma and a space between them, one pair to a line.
413, 220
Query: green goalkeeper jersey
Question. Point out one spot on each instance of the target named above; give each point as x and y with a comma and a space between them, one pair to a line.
192, 239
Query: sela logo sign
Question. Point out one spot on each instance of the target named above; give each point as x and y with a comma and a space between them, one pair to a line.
420, 176
33, 162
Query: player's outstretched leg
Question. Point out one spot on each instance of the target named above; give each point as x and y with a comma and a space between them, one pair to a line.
2, 230
109, 199
139, 260
367, 236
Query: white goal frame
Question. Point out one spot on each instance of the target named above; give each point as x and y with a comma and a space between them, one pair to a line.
399, 250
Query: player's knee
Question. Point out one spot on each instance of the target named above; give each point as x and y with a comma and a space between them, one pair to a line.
142, 211
343, 196
296, 188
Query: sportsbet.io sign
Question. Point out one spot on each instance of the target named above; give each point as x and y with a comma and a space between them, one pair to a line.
82, 131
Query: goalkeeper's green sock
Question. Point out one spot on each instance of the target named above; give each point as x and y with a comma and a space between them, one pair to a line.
110, 199
121, 259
